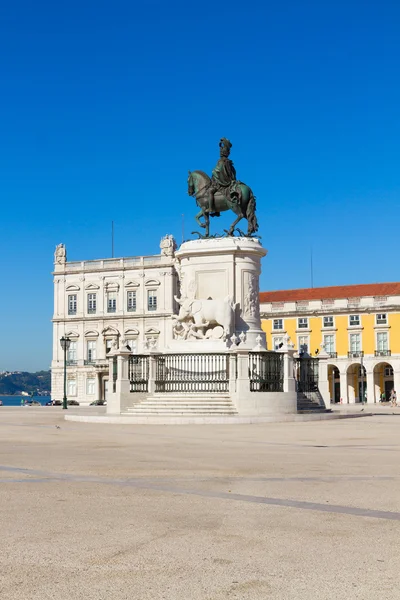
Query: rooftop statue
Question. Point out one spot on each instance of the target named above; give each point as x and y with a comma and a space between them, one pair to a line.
222, 192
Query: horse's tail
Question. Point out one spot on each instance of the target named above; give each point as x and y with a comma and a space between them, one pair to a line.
251, 214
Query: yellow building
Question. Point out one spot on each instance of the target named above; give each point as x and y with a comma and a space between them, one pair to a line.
357, 325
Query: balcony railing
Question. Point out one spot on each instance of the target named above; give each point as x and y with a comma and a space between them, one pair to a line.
89, 362
383, 353
72, 363
355, 354
333, 354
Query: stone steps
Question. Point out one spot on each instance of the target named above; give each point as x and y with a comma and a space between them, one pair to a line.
182, 405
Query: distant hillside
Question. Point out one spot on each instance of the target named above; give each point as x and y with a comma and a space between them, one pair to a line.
15, 383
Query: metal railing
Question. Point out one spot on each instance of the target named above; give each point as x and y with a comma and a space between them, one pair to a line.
194, 373
89, 362
333, 354
355, 354
307, 373
138, 373
266, 371
71, 363
383, 353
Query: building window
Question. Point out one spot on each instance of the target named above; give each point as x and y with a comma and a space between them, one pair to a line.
151, 300
132, 345
354, 320
329, 343
355, 342
109, 345
72, 302
381, 319
328, 321
131, 301
90, 383
71, 387
388, 372
91, 350
277, 343
91, 304
302, 323
111, 302
382, 341
71, 353
278, 324
303, 343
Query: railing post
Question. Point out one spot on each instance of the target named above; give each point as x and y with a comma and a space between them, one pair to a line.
122, 388
232, 372
153, 371
323, 382
289, 382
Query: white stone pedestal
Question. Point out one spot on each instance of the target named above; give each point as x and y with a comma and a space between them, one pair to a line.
221, 269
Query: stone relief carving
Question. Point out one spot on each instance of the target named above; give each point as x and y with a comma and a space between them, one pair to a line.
168, 246
203, 319
251, 299
60, 255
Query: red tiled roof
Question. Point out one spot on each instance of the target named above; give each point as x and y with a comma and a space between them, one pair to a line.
336, 291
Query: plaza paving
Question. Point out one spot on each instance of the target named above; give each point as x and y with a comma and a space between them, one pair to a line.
282, 511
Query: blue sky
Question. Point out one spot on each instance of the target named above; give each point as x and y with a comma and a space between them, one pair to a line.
105, 106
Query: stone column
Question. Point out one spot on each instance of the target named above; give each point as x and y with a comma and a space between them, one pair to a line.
371, 388
343, 387
323, 382
396, 383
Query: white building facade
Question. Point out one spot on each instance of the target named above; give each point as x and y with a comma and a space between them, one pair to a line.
98, 304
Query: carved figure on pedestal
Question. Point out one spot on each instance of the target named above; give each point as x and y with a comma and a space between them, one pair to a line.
60, 255
168, 245
201, 316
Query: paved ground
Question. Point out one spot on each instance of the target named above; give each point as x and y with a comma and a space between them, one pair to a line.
282, 511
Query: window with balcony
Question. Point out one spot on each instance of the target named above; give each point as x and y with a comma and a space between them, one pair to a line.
329, 344
151, 300
111, 302
90, 385
354, 320
302, 322
328, 321
71, 353
91, 304
131, 301
72, 304
381, 319
91, 350
382, 344
278, 324
355, 342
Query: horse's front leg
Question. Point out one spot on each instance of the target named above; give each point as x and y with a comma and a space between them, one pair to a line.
198, 216
235, 222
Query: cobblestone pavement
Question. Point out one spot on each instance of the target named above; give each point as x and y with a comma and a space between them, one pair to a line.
286, 511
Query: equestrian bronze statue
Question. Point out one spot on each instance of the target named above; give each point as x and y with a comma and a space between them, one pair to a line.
222, 192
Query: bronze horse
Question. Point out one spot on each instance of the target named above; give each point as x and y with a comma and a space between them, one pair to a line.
244, 206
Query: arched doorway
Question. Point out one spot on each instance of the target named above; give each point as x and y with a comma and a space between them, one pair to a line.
383, 381
356, 383
334, 383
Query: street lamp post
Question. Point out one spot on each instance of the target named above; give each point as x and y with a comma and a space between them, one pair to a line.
362, 379
65, 343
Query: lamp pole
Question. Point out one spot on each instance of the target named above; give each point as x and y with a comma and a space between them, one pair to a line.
65, 342
362, 378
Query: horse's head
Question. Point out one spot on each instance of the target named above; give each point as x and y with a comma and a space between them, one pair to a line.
191, 189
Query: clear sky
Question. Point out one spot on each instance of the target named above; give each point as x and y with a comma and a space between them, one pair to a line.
106, 105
